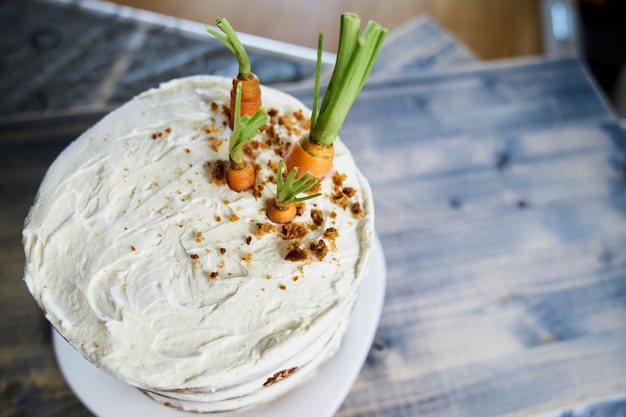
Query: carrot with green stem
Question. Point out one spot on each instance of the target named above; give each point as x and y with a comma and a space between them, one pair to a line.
282, 209
251, 88
240, 174
356, 54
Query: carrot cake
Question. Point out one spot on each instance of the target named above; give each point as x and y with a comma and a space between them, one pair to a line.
149, 265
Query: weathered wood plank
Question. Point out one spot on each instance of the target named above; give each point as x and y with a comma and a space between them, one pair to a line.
71, 56
420, 45
501, 204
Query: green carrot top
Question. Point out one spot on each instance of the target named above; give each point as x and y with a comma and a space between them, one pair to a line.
355, 58
287, 190
245, 128
232, 42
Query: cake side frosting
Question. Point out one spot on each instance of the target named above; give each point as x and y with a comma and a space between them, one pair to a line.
157, 272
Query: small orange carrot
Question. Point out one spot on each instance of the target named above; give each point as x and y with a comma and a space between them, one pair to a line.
356, 55
308, 156
282, 209
240, 174
281, 215
251, 92
240, 179
250, 97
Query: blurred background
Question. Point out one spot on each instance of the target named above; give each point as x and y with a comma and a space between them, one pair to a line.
491, 28
595, 30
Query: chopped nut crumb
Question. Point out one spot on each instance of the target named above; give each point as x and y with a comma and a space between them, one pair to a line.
317, 216
226, 111
300, 206
218, 173
264, 228
319, 249
296, 254
294, 231
349, 191
357, 211
249, 149
331, 234
299, 115
341, 200
257, 190
272, 137
290, 123
338, 179
217, 144
281, 149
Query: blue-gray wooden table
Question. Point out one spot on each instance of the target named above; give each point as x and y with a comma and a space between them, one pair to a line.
500, 192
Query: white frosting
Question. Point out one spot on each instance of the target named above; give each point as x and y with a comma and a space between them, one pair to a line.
126, 231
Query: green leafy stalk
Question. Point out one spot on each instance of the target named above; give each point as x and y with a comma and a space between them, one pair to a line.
318, 71
287, 191
232, 42
245, 128
348, 38
355, 58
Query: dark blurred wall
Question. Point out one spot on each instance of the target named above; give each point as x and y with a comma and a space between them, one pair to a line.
604, 39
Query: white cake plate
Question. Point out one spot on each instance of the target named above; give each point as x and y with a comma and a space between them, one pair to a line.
321, 396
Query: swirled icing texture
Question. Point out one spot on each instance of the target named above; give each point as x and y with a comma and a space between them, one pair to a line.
156, 272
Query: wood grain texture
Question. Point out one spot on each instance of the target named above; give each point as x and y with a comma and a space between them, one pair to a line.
501, 204
62, 56
30, 381
437, 49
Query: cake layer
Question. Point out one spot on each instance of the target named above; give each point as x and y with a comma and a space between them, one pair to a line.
149, 265
295, 372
